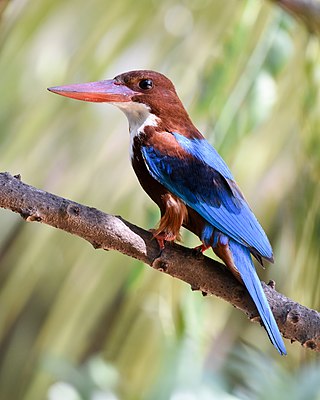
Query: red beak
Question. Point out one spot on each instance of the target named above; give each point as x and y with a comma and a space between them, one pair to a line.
109, 91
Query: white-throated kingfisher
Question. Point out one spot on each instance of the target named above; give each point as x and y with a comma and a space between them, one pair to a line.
186, 177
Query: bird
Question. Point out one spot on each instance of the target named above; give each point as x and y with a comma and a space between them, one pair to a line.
186, 177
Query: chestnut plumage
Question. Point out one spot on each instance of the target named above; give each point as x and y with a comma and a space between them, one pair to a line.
186, 177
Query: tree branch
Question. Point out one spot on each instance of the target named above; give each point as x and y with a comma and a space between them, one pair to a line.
109, 232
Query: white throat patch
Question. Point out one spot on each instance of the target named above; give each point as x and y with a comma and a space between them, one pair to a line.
139, 116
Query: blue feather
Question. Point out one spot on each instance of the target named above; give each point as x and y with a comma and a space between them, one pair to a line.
207, 235
201, 181
243, 261
205, 190
202, 150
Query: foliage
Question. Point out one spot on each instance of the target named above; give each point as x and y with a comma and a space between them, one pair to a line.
82, 324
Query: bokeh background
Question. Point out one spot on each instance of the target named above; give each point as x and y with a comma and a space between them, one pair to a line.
78, 324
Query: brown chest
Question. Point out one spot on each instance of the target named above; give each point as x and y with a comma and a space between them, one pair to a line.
150, 185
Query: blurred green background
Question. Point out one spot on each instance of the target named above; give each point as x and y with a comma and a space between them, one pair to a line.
78, 324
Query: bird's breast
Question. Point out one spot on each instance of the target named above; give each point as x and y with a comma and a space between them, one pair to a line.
163, 142
157, 192
151, 186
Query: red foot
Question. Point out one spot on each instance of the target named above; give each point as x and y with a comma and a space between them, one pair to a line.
161, 242
161, 238
202, 248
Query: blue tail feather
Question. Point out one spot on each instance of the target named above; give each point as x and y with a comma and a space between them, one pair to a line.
243, 261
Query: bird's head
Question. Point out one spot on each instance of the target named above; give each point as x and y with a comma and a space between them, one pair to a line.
136, 93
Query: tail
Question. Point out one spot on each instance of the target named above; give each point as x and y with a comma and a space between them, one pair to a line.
243, 261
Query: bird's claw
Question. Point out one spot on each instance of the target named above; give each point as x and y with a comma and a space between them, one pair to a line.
201, 249
161, 238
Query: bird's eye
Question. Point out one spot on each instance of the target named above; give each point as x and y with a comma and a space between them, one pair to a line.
146, 84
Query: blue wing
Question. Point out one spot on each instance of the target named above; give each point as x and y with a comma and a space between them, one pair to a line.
204, 182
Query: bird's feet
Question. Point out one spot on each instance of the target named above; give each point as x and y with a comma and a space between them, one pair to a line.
201, 249
162, 237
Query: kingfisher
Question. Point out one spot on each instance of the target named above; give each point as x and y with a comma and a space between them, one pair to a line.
186, 177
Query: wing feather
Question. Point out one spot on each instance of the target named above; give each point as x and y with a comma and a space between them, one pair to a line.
208, 190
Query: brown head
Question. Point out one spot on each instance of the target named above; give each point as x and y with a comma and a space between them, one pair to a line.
138, 94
